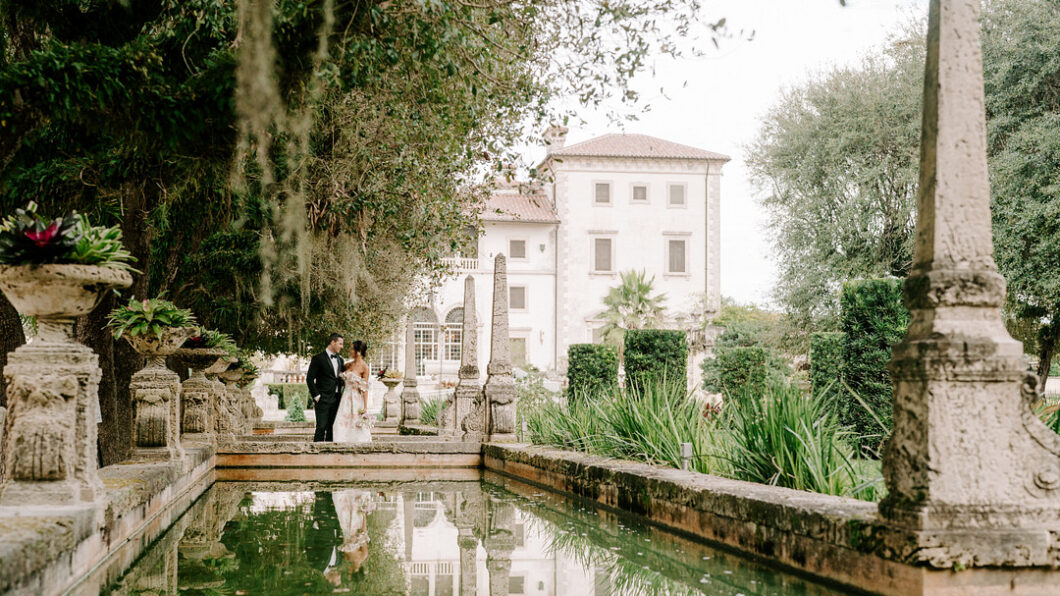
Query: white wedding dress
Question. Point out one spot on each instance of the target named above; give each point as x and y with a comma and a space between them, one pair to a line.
353, 423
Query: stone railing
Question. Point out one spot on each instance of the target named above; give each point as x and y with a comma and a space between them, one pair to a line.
462, 264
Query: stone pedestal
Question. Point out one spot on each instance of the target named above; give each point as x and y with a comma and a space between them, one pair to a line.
391, 402
500, 386
410, 395
53, 388
458, 422
973, 476
156, 398
499, 544
197, 394
230, 416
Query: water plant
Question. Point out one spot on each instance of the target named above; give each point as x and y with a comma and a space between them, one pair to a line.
149, 316
29, 238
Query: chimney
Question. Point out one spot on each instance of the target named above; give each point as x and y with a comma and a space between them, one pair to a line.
555, 137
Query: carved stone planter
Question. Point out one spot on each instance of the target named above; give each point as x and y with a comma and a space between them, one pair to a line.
230, 417
156, 397
391, 401
53, 384
199, 397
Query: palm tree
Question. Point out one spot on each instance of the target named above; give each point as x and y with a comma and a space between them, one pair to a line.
630, 305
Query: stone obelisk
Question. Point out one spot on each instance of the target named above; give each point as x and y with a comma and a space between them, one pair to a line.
973, 476
410, 394
500, 386
467, 386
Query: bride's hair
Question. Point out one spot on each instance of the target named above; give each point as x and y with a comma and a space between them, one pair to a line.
360, 346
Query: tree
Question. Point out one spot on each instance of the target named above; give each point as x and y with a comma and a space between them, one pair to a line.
361, 136
838, 160
1021, 45
630, 305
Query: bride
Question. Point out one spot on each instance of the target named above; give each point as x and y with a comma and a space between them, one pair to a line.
353, 423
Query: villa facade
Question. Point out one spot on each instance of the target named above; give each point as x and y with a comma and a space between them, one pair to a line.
608, 205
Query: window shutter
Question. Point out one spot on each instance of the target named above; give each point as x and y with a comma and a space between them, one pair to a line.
677, 256
603, 192
517, 298
640, 193
517, 249
602, 256
677, 194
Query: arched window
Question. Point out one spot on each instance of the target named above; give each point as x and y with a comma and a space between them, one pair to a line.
454, 322
425, 336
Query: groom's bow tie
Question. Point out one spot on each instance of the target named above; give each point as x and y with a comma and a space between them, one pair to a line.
335, 356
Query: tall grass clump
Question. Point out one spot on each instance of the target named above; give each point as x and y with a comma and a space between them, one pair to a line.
787, 437
430, 409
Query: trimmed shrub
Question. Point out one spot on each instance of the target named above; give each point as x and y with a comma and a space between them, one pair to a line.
826, 364
873, 320
655, 354
591, 368
296, 408
737, 370
291, 392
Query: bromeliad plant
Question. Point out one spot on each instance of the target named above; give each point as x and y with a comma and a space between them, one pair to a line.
208, 339
28, 238
152, 316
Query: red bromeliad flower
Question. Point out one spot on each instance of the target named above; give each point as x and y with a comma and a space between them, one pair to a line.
44, 237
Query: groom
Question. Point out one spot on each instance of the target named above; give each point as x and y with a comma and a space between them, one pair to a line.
325, 385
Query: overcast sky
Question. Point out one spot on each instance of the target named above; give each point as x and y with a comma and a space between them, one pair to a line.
730, 89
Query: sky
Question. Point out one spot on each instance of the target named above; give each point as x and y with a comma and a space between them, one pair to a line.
730, 89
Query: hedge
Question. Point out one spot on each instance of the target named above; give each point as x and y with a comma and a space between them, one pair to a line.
591, 368
873, 320
826, 364
739, 370
287, 392
655, 354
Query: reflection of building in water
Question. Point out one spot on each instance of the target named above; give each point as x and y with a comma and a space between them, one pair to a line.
433, 565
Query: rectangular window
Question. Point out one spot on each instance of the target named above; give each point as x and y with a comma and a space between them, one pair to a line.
640, 193
517, 249
516, 585
453, 334
603, 193
677, 195
602, 255
517, 346
676, 256
517, 297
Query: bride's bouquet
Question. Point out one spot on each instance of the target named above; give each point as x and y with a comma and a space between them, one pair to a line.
363, 419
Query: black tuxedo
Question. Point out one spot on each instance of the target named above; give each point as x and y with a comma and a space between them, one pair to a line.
323, 382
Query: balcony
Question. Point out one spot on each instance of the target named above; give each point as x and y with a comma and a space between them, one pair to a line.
462, 264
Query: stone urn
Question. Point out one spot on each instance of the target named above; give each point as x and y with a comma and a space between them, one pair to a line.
53, 386
234, 423
199, 397
391, 400
156, 396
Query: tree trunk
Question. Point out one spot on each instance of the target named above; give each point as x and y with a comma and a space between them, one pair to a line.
1048, 336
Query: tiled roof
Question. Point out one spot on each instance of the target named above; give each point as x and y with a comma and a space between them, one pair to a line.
631, 145
515, 207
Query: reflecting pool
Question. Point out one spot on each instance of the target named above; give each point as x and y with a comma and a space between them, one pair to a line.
437, 538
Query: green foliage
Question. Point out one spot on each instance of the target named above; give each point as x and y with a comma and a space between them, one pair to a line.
656, 354
838, 160
295, 402
630, 305
873, 320
647, 422
140, 317
26, 237
591, 368
787, 438
430, 409
826, 364
736, 371
289, 393
210, 339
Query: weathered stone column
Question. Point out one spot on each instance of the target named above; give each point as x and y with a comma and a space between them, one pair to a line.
470, 511
197, 392
156, 397
499, 546
973, 476
500, 386
456, 421
410, 396
231, 418
391, 403
52, 388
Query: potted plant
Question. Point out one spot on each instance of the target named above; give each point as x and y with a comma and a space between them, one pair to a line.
198, 395
155, 328
57, 269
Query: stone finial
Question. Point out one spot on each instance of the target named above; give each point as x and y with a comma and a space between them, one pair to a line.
500, 386
555, 137
972, 478
410, 395
467, 398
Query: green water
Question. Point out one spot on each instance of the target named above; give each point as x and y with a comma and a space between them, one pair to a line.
437, 538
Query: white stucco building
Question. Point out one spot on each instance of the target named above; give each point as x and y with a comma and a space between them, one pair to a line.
611, 204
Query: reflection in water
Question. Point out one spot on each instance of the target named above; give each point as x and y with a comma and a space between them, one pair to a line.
429, 539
